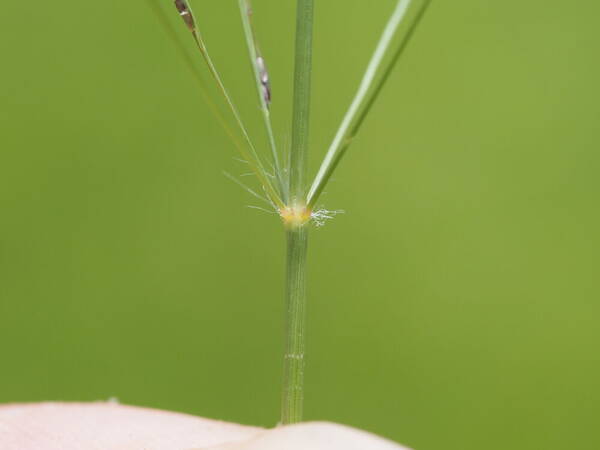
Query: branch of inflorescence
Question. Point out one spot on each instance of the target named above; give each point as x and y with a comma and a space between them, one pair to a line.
368, 91
263, 89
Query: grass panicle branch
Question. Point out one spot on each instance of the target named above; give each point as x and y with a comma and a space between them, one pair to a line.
366, 95
189, 62
263, 89
254, 161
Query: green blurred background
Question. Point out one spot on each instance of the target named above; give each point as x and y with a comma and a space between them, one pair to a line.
454, 305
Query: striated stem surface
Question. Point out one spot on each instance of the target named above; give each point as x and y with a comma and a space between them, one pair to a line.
296, 217
301, 108
293, 372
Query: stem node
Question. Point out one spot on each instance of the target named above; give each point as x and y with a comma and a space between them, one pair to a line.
295, 216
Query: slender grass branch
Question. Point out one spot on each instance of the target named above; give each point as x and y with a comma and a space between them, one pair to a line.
251, 157
261, 79
261, 172
248, 189
189, 63
368, 91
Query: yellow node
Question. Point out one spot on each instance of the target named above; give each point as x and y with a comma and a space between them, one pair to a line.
295, 216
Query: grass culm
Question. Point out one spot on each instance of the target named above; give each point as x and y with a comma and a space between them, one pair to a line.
286, 186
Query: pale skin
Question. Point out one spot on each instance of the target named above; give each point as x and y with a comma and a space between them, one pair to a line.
109, 426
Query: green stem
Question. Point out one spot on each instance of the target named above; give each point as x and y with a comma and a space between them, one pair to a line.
293, 373
297, 228
301, 111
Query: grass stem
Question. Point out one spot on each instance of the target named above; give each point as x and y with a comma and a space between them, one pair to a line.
297, 229
301, 105
293, 373
289, 195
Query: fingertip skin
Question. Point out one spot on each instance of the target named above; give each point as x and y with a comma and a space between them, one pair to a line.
313, 436
110, 426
